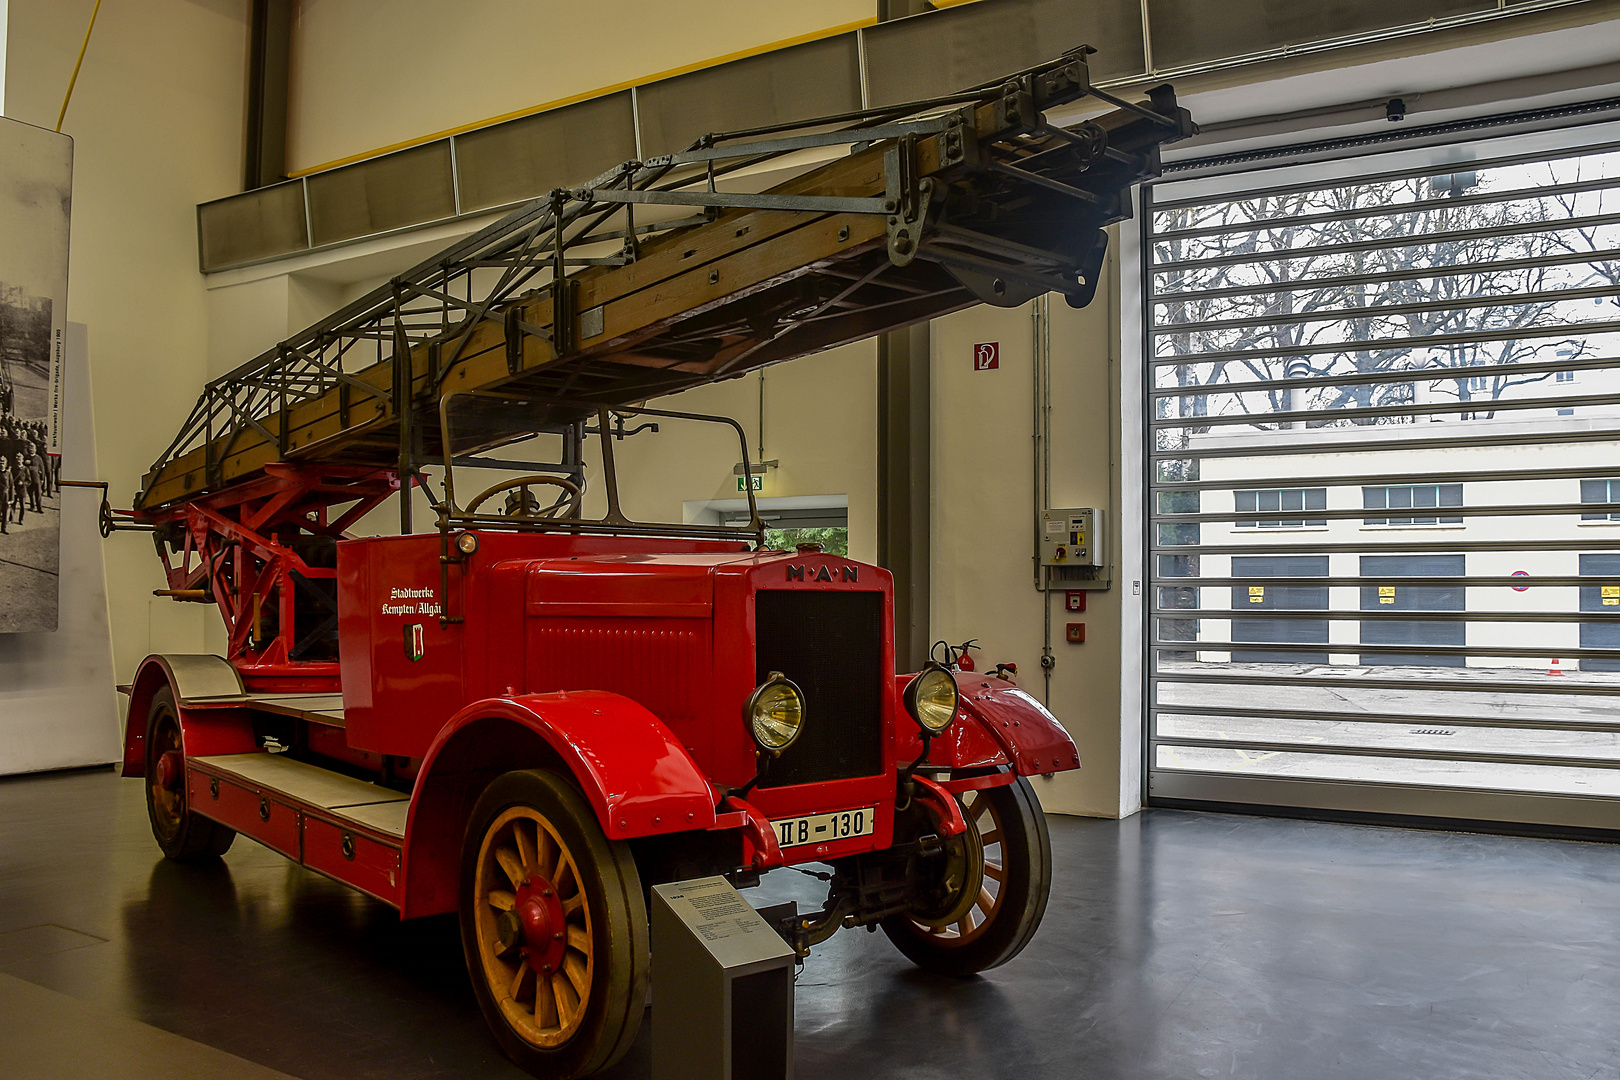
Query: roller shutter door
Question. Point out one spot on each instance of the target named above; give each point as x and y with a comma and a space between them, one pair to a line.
1420, 328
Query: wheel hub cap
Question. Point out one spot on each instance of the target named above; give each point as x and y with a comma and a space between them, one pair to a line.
168, 771
536, 925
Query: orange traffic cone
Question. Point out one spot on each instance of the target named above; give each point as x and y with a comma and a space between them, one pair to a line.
1554, 670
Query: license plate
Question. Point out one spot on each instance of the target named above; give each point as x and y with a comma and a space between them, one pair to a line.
821, 828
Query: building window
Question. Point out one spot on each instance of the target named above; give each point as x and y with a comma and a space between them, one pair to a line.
1563, 376
1601, 491
788, 526
1282, 500
1412, 497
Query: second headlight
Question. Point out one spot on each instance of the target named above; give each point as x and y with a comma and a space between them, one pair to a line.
931, 698
775, 713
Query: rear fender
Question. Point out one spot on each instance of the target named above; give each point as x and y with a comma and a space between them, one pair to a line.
637, 777
205, 688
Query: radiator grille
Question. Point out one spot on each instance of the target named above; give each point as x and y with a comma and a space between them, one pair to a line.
831, 645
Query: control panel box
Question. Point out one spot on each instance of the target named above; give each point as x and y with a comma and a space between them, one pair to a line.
1072, 537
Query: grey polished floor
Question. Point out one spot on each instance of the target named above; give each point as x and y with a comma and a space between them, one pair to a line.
1177, 945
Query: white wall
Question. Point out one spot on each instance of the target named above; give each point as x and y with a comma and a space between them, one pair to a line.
477, 59
983, 515
156, 120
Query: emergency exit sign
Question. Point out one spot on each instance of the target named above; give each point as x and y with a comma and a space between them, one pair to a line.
751, 483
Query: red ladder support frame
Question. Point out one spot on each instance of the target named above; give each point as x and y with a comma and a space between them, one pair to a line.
233, 548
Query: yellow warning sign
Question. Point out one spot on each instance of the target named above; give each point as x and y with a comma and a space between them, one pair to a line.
1386, 594
1257, 594
1611, 590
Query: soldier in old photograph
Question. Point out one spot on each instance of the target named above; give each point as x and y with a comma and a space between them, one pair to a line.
8, 485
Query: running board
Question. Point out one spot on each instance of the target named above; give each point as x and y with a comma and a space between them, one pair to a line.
316, 708
333, 824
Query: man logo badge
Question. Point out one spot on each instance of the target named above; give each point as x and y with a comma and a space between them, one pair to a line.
825, 573
414, 646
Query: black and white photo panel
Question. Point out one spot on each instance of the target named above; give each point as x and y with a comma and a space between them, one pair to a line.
36, 182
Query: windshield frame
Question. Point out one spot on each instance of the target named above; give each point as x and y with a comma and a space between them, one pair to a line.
454, 517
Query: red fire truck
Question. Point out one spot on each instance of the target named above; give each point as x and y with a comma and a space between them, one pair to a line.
541, 708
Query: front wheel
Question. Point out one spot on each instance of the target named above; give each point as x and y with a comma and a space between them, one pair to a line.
554, 927
1012, 893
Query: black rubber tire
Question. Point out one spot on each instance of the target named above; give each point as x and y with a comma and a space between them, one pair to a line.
1026, 851
612, 885
188, 836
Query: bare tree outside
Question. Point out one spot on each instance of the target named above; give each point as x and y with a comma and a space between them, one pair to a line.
1399, 281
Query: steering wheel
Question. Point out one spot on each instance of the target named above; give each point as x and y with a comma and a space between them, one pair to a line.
570, 489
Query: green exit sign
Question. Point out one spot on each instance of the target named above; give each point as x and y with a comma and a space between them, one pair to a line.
751, 483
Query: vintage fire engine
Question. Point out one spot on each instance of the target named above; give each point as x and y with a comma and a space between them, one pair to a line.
540, 708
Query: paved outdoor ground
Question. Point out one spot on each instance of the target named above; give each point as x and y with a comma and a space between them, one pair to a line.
1566, 724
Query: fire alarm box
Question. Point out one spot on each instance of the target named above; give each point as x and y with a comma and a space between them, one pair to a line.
1075, 633
1074, 600
1071, 537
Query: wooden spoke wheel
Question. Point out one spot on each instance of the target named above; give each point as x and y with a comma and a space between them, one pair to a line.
554, 927
183, 835
1001, 919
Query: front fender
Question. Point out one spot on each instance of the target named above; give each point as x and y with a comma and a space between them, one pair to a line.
962, 746
1031, 737
636, 775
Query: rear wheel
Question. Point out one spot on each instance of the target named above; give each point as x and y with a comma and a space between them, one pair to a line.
183, 835
554, 927
1001, 919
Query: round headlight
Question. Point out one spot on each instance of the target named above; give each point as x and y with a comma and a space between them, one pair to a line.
931, 698
467, 543
775, 713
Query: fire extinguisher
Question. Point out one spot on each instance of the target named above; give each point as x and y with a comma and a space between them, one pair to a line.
957, 657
